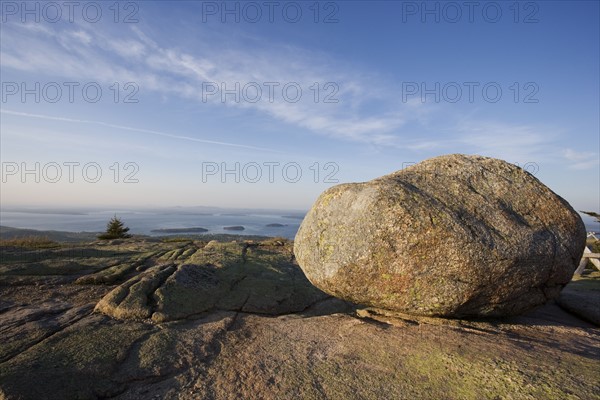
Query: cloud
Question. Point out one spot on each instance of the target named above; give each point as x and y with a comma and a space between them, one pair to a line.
133, 129
82, 36
581, 160
513, 142
80, 52
368, 109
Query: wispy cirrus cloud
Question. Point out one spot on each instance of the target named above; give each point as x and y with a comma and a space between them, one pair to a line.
78, 52
368, 111
581, 160
521, 142
524, 142
134, 129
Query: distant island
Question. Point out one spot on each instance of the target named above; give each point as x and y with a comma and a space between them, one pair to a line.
275, 225
186, 213
234, 228
180, 230
293, 216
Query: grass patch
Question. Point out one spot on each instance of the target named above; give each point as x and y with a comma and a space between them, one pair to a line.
175, 240
30, 242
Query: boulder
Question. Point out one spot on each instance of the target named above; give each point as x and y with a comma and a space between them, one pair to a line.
453, 236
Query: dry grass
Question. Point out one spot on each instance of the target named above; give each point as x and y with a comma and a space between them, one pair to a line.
175, 240
36, 242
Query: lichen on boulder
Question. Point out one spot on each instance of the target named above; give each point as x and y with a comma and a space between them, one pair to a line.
452, 236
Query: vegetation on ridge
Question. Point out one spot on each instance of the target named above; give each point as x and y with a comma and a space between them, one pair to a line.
115, 230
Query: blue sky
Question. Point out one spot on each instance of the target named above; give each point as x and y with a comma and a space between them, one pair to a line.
517, 81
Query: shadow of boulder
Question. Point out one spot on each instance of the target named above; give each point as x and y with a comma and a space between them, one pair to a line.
257, 278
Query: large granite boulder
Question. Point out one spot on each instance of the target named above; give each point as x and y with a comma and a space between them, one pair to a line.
452, 236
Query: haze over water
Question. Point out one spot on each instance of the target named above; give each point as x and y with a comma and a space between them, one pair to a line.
144, 221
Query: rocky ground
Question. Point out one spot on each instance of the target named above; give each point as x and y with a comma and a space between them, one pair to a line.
147, 318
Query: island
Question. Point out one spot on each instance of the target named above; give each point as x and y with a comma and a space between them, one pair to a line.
234, 228
300, 217
180, 230
275, 225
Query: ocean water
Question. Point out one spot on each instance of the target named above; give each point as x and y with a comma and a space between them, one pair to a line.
143, 222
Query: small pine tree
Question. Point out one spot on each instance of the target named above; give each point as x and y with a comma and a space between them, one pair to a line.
115, 230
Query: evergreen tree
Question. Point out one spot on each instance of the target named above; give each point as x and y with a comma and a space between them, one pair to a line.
115, 230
